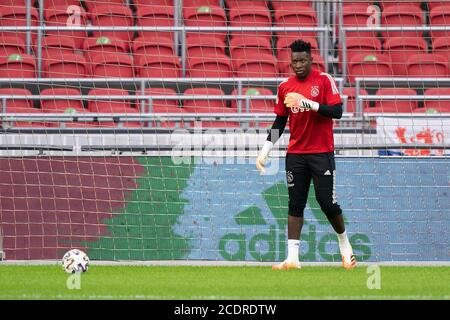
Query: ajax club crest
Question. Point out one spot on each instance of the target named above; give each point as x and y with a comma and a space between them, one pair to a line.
314, 91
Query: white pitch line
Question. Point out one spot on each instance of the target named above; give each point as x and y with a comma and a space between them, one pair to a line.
224, 263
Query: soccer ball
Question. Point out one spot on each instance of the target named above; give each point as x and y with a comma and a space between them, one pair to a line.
75, 261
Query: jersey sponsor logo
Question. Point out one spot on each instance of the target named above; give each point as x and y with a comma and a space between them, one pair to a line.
314, 91
298, 109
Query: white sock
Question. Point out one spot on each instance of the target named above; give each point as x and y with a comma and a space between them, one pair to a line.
293, 248
344, 245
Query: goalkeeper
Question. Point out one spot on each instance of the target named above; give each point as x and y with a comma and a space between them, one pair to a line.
310, 100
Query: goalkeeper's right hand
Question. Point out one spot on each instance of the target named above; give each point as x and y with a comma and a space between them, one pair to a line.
262, 157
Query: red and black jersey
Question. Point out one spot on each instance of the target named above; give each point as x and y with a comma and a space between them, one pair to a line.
310, 131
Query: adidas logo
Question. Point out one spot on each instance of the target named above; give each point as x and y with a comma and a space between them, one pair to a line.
327, 173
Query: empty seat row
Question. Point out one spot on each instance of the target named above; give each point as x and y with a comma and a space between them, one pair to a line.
398, 14
424, 65
116, 15
277, 5
158, 105
213, 15
198, 105
122, 65
128, 107
394, 106
240, 49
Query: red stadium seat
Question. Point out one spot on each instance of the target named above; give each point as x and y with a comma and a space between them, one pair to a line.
202, 106
205, 105
91, 4
357, 46
63, 16
57, 106
404, 16
306, 17
16, 17
427, 65
350, 92
208, 106
439, 17
440, 105
284, 65
255, 106
209, 66
205, 16
102, 45
384, 4
147, 3
250, 16
56, 45
155, 16
161, 105
372, 65
158, 67
399, 49
112, 105
18, 66
256, 66
357, 15
112, 65
395, 105
164, 106
442, 46
20, 106
11, 45
201, 46
297, 5
199, 3
349, 3
161, 46
64, 106
243, 3
433, 4
65, 66
14, 3
58, 3
113, 16
242, 47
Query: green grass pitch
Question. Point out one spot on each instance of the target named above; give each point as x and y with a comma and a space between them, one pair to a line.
245, 283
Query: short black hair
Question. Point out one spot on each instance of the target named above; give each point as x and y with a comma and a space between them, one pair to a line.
300, 46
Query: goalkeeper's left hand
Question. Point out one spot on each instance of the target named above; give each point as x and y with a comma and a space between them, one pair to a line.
262, 156
296, 100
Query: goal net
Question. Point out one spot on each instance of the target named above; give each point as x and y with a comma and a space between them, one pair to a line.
130, 128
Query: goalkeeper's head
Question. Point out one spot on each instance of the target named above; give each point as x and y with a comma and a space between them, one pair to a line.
301, 60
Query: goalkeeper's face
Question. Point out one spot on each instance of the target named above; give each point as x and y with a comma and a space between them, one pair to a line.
301, 63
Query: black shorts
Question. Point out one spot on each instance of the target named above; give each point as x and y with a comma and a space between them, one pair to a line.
321, 169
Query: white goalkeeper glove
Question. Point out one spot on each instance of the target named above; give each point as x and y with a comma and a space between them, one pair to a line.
296, 100
262, 157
